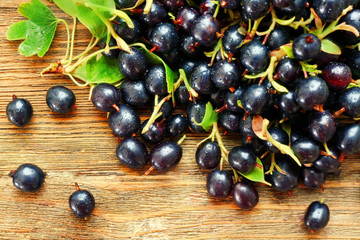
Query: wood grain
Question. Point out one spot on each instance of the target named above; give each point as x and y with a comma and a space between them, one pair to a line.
79, 147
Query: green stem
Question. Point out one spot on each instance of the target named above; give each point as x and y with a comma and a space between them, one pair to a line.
181, 140
216, 9
72, 44
157, 108
187, 84
68, 39
80, 56
79, 62
148, 6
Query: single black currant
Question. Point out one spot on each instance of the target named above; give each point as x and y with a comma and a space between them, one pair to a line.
124, 122
81, 202
19, 111
245, 195
28, 177
132, 153
208, 155
317, 216
105, 97
219, 184
60, 99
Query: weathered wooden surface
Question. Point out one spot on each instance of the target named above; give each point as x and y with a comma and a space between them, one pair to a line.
79, 147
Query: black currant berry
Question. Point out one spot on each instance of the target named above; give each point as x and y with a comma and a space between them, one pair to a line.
317, 216
245, 195
60, 99
132, 153
82, 202
219, 184
124, 122
28, 177
105, 97
19, 111
208, 155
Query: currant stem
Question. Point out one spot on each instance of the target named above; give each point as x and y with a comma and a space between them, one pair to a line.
181, 140
157, 108
68, 38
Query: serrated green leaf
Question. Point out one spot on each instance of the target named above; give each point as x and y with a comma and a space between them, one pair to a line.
90, 19
68, 6
257, 174
330, 47
288, 50
155, 59
210, 117
38, 31
104, 70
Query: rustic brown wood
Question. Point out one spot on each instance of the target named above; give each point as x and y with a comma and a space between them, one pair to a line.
79, 147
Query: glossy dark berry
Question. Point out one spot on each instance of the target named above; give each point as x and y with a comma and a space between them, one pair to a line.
232, 39
189, 46
60, 99
200, 79
306, 150
132, 153
352, 18
255, 9
207, 7
134, 93
217, 98
245, 195
125, 3
278, 135
337, 75
350, 100
156, 15
231, 99
328, 164
182, 95
287, 70
253, 143
297, 8
328, 10
246, 126
310, 92
185, 18
353, 61
113, 53
165, 156
225, 75
177, 125
166, 109
154, 134
278, 37
155, 80
208, 155
255, 99
82, 203
129, 35
104, 96
196, 111
219, 184
19, 112
173, 5
204, 30
348, 139
229, 4
322, 126
317, 216
242, 159
282, 3
132, 65
164, 37
288, 181
28, 177
287, 103
306, 47
312, 178
229, 120
254, 57
124, 122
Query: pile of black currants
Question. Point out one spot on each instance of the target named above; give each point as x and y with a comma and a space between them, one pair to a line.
279, 73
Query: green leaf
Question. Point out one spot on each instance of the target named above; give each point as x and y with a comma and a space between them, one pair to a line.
288, 50
278, 87
286, 128
210, 117
257, 174
104, 70
154, 59
330, 47
285, 22
91, 20
38, 31
68, 6
311, 68
80, 73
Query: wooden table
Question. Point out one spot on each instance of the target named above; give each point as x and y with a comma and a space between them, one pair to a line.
79, 147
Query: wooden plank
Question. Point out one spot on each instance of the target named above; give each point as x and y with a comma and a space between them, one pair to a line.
79, 147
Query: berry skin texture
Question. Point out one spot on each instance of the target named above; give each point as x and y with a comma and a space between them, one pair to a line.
225, 74
254, 57
19, 112
219, 184
348, 139
337, 75
245, 195
284, 182
306, 150
177, 125
124, 122
132, 153
255, 9
310, 92
132, 65
200, 79
60, 99
317, 216
204, 30
82, 203
350, 100
165, 156
104, 96
208, 155
322, 126
28, 178
242, 159
306, 47
164, 37
328, 10
255, 99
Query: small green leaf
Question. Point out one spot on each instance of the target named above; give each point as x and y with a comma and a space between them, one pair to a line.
104, 70
210, 117
80, 73
278, 87
38, 31
285, 22
68, 6
257, 174
154, 59
90, 19
330, 47
286, 128
288, 50
311, 68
